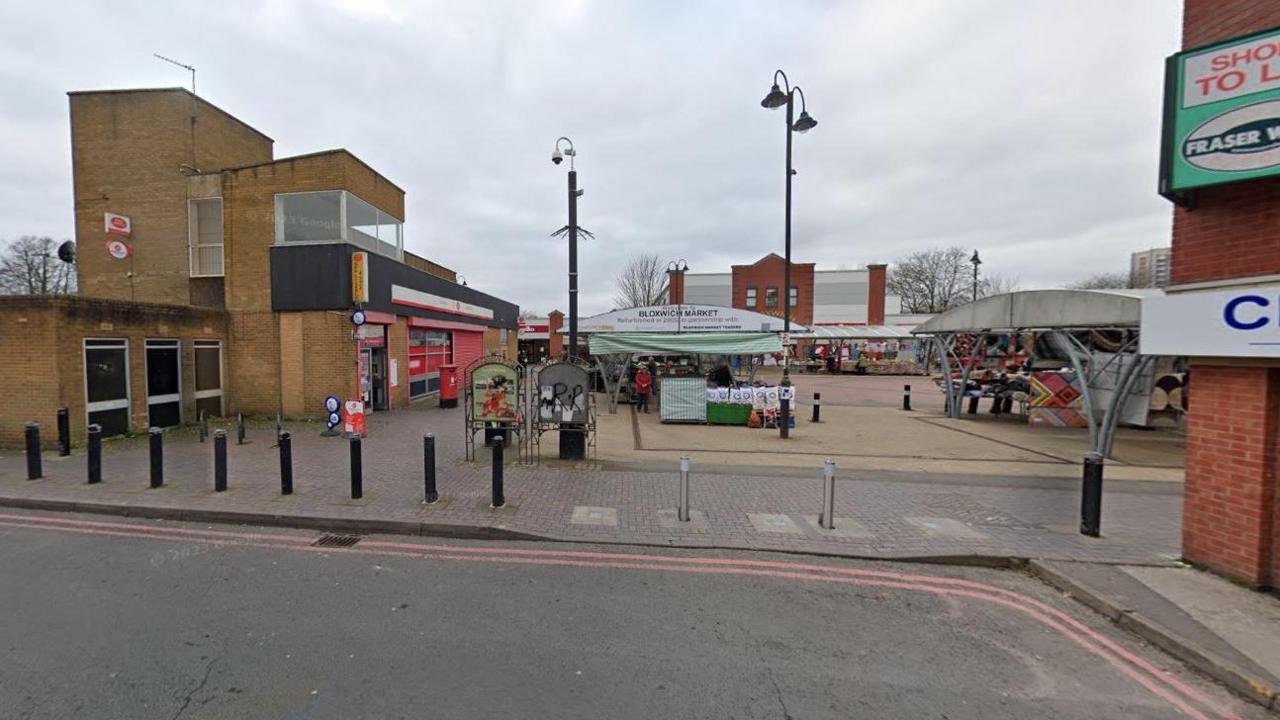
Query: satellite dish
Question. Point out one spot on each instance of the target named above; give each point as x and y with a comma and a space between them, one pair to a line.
67, 252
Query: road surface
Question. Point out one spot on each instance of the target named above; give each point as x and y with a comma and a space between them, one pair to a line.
118, 618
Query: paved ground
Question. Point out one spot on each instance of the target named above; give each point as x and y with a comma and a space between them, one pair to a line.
141, 620
863, 431
878, 514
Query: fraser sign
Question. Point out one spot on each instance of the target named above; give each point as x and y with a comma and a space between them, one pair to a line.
1221, 114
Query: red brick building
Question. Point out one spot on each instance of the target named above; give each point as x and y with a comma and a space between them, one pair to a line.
1228, 236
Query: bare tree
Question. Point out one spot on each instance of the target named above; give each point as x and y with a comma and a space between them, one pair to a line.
643, 281
30, 266
1102, 281
998, 284
931, 281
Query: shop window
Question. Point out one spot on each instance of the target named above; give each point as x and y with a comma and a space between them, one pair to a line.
164, 383
794, 296
771, 297
106, 384
208, 361
428, 350
204, 232
751, 297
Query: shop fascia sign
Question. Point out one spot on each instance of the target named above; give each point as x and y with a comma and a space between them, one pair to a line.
1221, 114
682, 318
416, 298
1241, 322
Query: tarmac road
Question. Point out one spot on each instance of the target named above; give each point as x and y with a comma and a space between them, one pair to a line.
117, 618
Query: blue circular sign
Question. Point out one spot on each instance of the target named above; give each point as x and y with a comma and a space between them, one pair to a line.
334, 420
358, 317
331, 404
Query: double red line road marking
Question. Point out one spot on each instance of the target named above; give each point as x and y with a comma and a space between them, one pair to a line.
1186, 699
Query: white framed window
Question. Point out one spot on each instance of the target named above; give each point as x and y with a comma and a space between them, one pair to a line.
751, 297
795, 296
204, 232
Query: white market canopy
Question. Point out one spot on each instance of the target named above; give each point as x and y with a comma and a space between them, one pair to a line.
856, 332
683, 319
721, 343
1042, 310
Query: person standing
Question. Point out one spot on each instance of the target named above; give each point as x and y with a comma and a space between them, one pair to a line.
644, 385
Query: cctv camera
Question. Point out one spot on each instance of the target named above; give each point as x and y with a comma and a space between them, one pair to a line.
556, 157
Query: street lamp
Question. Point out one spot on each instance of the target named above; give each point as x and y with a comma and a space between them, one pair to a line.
777, 98
573, 444
975, 261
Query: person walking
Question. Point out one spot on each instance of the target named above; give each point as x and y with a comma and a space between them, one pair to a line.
644, 385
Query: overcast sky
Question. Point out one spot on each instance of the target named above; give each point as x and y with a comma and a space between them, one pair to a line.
1026, 129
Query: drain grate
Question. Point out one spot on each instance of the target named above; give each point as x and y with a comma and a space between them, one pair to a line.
331, 540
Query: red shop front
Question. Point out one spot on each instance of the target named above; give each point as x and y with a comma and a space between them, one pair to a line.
433, 343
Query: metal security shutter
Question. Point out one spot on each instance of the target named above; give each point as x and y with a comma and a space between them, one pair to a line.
467, 348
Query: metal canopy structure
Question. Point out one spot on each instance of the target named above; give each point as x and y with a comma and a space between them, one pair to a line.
1064, 315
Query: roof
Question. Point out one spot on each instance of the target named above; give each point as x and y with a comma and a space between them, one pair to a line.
127, 91
1043, 310
856, 332
307, 156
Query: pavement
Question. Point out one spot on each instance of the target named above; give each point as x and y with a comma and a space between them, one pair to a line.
124, 618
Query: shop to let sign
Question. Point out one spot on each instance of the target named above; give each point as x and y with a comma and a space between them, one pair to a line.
1222, 113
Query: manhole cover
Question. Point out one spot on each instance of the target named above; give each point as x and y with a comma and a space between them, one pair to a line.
331, 540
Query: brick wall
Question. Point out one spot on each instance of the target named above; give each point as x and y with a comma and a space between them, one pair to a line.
252, 363
398, 350
126, 149
769, 271
329, 366
42, 341
1231, 511
555, 341
1231, 471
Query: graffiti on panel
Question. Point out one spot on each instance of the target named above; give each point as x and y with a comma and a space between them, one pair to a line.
562, 393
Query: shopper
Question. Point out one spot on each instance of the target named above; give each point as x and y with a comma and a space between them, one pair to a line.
723, 376
644, 385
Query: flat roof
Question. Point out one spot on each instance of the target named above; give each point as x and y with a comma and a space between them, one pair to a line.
126, 91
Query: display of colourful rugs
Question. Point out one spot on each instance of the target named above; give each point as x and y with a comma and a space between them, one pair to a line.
1056, 400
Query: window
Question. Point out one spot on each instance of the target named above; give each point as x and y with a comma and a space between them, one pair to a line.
428, 350
794, 296
208, 355
204, 232
337, 216
751, 297
164, 383
106, 384
771, 297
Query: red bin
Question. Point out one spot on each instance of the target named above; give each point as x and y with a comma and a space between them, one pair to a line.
448, 386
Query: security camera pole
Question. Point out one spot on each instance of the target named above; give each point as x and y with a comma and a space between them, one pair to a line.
572, 441
775, 99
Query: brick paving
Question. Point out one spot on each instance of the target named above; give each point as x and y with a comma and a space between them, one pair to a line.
885, 515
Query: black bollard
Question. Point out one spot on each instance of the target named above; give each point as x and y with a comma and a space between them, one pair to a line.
219, 460
906, 397
239, 428
34, 468
817, 406
64, 432
498, 499
157, 457
286, 463
95, 453
1091, 496
973, 404
429, 467
357, 478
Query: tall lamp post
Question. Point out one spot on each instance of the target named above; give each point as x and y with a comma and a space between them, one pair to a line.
777, 98
572, 439
975, 261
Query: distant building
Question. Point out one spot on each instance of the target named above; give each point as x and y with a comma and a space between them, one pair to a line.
1149, 268
818, 297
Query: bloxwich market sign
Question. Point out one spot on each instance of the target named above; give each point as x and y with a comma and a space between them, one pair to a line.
1221, 114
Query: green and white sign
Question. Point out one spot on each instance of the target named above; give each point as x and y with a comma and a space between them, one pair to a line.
1222, 113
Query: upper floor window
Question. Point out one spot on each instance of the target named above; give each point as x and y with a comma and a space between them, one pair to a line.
751, 297
771, 297
204, 232
337, 216
794, 296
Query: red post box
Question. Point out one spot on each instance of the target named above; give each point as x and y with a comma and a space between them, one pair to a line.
448, 386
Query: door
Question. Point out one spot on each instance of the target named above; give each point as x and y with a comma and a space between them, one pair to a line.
164, 383
378, 377
106, 384
208, 360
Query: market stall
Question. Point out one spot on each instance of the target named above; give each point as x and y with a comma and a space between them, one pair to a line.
1069, 357
865, 350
